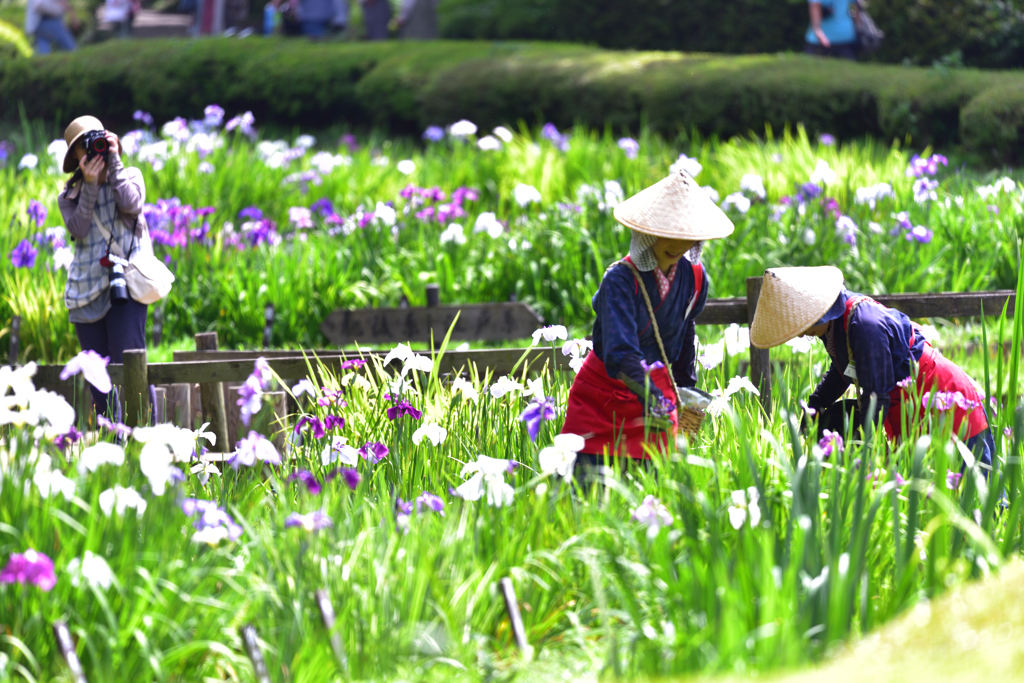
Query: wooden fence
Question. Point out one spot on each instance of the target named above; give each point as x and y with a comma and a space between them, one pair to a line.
209, 367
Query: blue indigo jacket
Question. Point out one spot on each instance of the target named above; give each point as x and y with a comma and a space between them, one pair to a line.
880, 340
623, 335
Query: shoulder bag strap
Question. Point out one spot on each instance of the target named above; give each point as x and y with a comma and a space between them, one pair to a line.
654, 327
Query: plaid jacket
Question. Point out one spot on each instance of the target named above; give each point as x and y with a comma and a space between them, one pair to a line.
88, 281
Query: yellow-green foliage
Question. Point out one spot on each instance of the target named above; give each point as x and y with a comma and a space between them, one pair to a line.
13, 42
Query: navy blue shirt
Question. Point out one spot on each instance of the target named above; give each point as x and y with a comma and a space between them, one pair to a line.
623, 335
880, 341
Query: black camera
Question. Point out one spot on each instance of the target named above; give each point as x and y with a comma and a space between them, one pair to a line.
118, 285
96, 144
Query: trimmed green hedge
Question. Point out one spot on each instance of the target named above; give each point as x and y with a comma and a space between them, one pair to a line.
407, 86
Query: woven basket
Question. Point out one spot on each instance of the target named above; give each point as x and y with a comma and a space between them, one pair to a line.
690, 420
690, 417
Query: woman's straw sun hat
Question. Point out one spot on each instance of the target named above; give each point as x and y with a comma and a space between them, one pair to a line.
791, 300
75, 130
677, 208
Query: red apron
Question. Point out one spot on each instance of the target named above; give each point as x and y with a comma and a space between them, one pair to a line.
608, 415
935, 372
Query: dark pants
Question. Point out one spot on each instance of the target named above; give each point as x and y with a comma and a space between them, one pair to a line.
314, 29
842, 50
847, 411
123, 327
52, 33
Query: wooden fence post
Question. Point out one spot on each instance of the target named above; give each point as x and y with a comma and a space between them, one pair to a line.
515, 619
212, 398
433, 296
67, 650
15, 341
760, 360
136, 388
252, 648
268, 329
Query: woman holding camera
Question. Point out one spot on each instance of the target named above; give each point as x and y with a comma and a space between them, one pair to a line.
102, 209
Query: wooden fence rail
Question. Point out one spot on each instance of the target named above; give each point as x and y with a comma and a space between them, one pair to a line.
210, 368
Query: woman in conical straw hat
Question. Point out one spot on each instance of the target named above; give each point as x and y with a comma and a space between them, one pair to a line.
623, 399
877, 347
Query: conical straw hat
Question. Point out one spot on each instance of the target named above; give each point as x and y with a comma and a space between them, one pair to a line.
675, 207
75, 130
791, 300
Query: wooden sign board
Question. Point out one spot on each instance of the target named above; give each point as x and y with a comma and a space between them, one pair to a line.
477, 322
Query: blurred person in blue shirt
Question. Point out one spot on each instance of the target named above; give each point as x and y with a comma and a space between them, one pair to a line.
832, 32
44, 21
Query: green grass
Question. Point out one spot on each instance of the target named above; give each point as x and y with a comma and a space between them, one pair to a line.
840, 548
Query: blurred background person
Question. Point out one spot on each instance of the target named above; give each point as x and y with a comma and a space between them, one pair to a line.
418, 20
340, 21
44, 22
832, 32
376, 17
315, 17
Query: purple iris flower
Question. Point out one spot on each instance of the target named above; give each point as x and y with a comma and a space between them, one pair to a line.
462, 194
550, 132
511, 469
250, 399
537, 412
213, 116
24, 255
924, 189
401, 408
36, 212
433, 134
900, 481
354, 363
324, 206
375, 450
630, 146
349, 474
403, 507
251, 213
30, 567
143, 117
663, 407
313, 521
808, 191
952, 479
331, 398
656, 365
314, 422
252, 448
349, 142
334, 422
121, 430
831, 442
408, 191
308, 479
65, 440
827, 139
920, 234
431, 502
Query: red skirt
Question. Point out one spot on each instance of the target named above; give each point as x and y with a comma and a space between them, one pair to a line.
608, 415
935, 372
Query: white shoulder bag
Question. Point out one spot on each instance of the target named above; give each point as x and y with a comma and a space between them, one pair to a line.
148, 279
